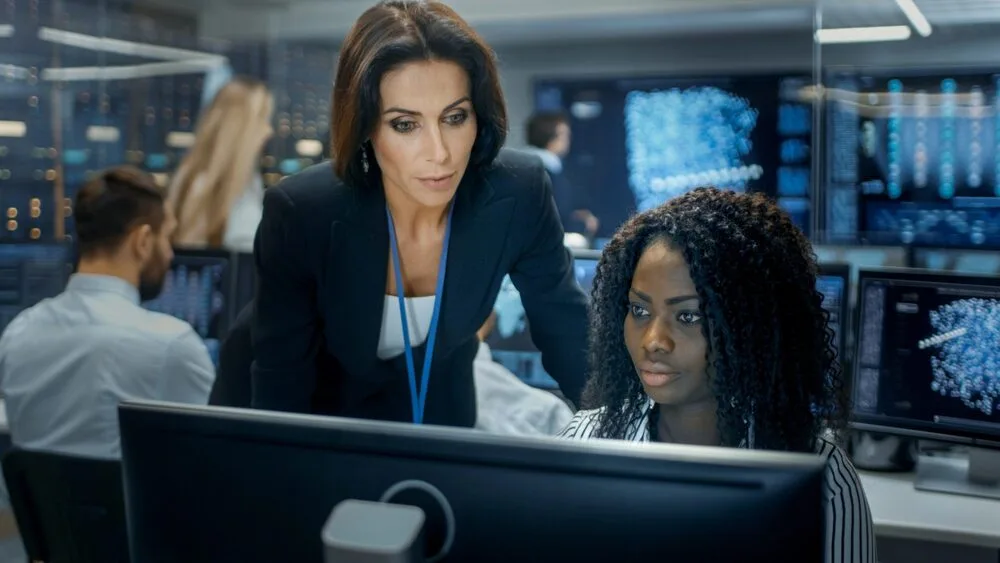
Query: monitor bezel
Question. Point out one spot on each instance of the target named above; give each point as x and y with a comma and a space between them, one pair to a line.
452, 444
585, 254
904, 427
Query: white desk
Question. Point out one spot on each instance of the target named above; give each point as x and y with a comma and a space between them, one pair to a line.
900, 511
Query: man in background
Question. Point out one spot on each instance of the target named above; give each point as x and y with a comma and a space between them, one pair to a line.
67, 362
549, 136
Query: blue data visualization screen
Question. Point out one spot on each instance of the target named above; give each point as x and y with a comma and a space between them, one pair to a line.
913, 160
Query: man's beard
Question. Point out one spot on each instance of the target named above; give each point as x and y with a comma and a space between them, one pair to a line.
150, 289
151, 280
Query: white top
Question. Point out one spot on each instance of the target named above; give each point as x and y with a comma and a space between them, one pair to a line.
244, 217
850, 535
419, 311
507, 405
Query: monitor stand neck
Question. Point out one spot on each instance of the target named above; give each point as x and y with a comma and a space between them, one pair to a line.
978, 476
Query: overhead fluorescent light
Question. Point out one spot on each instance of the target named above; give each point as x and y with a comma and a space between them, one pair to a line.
121, 47
863, 34
86, 73
14, 71
16, 129
916, 17
6, 30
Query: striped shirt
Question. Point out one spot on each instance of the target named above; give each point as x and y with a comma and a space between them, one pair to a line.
850, 535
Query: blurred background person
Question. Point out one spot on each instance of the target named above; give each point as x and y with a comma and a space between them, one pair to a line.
217, 193
549, 136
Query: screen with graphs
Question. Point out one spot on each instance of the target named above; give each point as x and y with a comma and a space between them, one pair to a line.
639, 142
913, 160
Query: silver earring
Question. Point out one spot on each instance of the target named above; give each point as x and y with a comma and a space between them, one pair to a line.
364, 159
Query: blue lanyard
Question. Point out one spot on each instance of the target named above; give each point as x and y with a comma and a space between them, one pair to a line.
417, 401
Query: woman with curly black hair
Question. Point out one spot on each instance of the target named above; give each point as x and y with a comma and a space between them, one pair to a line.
707, 329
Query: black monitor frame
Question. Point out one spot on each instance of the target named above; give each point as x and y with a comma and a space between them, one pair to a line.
586, 253
541, 490
903, 427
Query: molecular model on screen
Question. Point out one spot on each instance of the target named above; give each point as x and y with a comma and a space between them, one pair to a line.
678, 140
966, 364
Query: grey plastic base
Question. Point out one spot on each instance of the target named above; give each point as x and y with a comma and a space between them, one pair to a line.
373, 532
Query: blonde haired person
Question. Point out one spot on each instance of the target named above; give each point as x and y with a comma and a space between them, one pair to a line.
217, 194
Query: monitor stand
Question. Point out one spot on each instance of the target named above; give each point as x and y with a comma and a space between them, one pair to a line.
978, 476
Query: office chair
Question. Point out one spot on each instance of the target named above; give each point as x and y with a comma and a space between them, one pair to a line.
69, 509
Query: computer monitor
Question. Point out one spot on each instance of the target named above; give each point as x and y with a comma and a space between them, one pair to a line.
510, 341
197, 290
30, 272
912, 157
229, 485
833, 282
927, 364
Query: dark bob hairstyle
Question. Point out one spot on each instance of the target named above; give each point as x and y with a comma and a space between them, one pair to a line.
393, 33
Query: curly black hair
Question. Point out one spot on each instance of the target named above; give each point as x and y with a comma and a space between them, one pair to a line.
775, 365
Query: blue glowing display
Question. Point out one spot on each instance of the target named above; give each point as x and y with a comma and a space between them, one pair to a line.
966, 364
678, 140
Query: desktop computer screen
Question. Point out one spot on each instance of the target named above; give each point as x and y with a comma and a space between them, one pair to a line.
196, 290
927, 360
913, 159
510, 342
229, 485
639, 141
29, 273
833, 282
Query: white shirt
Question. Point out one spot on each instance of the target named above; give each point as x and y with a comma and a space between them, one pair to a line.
244, 217
67, 362
419, 312
850, 535
507, 405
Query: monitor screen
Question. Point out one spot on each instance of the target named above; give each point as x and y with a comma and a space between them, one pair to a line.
833, 283
30, 272
927, 355
187, 471
637, 142
196, 290
510, 342
913, 159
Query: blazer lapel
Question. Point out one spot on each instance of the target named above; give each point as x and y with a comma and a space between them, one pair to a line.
356, 281
479, 233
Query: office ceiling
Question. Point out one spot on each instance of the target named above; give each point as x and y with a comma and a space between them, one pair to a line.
857, 13
517, 21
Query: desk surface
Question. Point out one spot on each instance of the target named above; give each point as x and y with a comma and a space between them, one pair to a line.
901, 511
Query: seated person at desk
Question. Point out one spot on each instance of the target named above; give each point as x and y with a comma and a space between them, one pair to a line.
67, 362
707, 329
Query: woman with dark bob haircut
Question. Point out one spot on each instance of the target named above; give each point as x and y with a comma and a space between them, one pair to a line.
377, 269
707, 329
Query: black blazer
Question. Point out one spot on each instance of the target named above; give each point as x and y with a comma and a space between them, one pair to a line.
232, 378
322, 254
